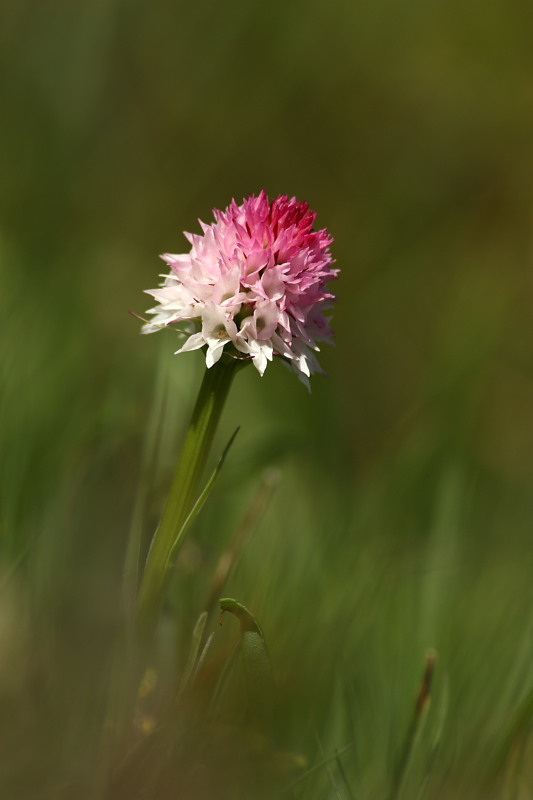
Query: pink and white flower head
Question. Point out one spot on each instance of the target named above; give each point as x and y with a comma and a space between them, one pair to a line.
253, 283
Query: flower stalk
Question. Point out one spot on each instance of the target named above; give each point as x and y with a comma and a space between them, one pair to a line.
184, 491
252, 287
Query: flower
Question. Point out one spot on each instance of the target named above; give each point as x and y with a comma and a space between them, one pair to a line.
254, 283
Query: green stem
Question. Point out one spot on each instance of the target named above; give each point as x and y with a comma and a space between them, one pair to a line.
184, 490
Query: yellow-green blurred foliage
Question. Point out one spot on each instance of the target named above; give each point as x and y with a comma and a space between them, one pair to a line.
403, 514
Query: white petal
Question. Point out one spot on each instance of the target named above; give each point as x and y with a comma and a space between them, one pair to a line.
302, 365
215, 324
213, 355
261, 354
193, 343
149, 327
241, 344
260, 363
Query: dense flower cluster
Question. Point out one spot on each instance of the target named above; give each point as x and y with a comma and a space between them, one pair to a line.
254, 281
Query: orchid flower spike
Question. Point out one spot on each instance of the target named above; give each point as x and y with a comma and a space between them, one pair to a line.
252, 285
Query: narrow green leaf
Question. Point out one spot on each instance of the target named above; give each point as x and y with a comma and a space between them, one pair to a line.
177, 514
200, 502
257, 665
203, 654
316, 768
515, 735
230, 555
329, 771
192, 659
343, 775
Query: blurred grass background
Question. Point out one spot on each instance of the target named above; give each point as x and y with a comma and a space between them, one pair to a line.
402, 518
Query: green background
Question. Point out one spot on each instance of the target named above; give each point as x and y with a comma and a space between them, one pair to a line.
402, 515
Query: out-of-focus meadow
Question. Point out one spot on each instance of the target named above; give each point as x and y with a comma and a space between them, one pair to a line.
401, 516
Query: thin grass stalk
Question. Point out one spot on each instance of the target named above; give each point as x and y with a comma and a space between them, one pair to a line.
423, 700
